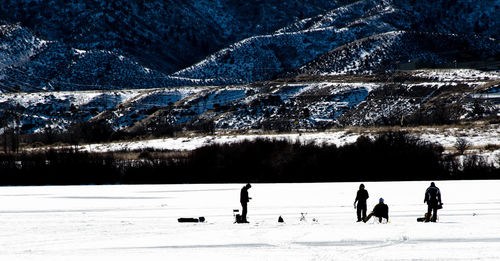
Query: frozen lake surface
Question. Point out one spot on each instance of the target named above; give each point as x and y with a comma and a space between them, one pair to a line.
140, 222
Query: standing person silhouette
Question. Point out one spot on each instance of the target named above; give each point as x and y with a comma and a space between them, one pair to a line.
361, 198
244, 199
433, 200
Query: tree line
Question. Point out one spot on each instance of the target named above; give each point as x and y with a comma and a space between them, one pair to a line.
394, 156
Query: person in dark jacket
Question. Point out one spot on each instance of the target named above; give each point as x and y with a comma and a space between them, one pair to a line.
244, 199
380, 210
433, 200
361, 198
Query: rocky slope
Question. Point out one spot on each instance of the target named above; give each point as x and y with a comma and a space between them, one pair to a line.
419, 97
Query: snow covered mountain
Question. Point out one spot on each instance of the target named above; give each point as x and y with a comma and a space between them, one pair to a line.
31, 64
163, 35
68, 45
401, 29
395, 50
293, 64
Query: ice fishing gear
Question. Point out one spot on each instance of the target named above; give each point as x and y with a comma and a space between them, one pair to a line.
424, 218
191, 220
237, 217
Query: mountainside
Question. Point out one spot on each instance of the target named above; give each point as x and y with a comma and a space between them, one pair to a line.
68, 45
407, 98
267, 56
395, 50
162, 35
30, 64
225, 64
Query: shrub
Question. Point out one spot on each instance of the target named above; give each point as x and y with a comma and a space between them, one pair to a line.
462, 145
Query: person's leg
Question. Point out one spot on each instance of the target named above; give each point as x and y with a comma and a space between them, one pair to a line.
434, 213
244, 212
358, 212
368, 217
429, 212
364, 212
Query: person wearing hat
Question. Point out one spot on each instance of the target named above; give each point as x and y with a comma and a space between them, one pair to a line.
361, 198
433, 200
244, 199
381, 210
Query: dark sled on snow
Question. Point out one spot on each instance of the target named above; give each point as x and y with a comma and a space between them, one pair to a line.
191, 220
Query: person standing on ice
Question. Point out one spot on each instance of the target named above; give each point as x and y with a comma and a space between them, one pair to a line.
361, 198
381, 210
244, 199
433, 200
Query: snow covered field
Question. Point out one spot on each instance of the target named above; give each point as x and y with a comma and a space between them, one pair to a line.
478, 138
140, 222
447, 138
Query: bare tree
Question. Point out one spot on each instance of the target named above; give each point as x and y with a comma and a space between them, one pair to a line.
462, 145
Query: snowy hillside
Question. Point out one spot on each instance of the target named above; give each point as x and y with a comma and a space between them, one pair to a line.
365, 36
391, 51
137, 222
270, 65
163, 35
30, 64
261, 57
418, 98
53, 45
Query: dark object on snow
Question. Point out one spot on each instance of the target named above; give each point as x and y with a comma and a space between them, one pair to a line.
433, 200
361, 198
280, 220
239, 219
244, 199
425, 219
191, 220
236, 215
422, 219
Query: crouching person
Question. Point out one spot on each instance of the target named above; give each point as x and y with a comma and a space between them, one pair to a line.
381, 211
